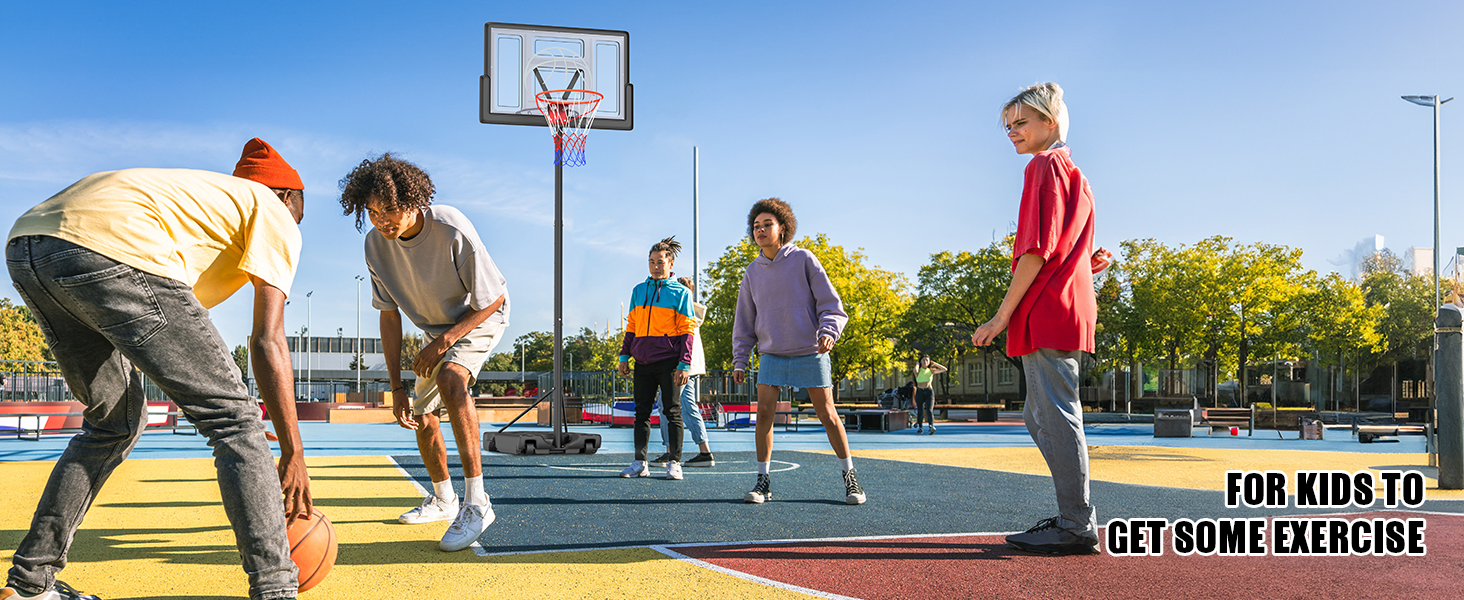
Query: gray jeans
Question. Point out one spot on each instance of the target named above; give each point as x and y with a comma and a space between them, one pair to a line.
1054, 417
105, 322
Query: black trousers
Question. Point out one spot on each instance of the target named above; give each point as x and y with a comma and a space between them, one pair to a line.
924, 403
647, 379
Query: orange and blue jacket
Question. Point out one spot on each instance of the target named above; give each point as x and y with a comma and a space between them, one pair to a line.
660, 323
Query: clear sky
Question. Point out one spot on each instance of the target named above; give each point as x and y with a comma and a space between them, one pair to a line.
1264, 121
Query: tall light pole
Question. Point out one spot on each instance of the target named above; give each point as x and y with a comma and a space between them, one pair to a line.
695, 220
309, 333
360, 356
1433, 101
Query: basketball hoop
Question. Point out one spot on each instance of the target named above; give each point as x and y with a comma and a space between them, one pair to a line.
569, 114
565, 98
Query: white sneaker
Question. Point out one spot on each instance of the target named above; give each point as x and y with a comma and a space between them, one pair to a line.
673, 470
470, 523
636, 469
58, 591
432, 509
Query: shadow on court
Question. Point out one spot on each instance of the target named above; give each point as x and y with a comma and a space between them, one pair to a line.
576, 501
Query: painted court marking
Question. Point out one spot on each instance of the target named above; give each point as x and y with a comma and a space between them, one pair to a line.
748, 576
616, 467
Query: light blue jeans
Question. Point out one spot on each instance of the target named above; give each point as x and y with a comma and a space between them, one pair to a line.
105, 322
690, 415
1054, 417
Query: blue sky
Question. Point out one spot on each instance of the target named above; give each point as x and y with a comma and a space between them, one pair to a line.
1265, 121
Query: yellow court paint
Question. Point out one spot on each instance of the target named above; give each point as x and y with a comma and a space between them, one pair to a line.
1193, 468
158, 531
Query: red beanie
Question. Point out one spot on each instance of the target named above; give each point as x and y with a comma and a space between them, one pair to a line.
262, 164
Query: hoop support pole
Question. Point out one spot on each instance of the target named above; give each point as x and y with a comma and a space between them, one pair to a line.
556, 406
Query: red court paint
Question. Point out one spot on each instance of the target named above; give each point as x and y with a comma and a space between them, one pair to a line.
985, 567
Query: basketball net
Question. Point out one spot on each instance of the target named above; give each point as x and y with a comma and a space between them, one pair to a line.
565, 100
569, 114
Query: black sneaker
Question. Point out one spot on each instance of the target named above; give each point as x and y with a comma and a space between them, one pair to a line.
918, 430
1047, 537
660, 461
703, 459
762, 492
853, 494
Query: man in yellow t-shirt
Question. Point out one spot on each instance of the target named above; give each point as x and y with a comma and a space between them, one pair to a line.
118, 269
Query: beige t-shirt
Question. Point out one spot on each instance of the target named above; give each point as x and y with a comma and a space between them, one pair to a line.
209, 230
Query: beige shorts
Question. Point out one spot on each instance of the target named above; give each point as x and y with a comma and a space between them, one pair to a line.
470, 352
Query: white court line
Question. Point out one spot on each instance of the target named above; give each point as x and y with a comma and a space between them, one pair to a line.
477, 548
1147, 485
748, 576
615, 468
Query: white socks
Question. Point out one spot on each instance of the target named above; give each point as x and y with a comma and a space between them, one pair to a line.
443, 490
847, 463
762, 468
475, 494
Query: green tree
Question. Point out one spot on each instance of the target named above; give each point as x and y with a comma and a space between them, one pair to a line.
1406, 323
20, 336
241, 360
874, 299
412, 343
723, 280
1339, 319
963, 289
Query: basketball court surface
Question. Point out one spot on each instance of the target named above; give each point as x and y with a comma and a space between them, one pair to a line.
569, 527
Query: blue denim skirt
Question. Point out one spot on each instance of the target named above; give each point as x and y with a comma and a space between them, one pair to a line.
810, 371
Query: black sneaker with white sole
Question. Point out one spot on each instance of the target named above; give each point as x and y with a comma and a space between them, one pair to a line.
660, 461
853, 494
762, 492
703, 459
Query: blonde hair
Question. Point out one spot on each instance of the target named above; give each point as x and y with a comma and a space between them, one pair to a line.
1046, 99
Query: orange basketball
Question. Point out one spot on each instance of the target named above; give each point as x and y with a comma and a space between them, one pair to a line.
313, 548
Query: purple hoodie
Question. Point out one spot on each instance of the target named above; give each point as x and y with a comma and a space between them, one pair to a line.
784, 306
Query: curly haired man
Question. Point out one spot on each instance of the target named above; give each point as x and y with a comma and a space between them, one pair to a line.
427, 261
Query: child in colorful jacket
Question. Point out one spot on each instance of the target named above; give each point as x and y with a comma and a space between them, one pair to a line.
658, 334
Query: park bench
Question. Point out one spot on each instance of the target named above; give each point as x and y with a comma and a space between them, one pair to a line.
882, 419
985, 413
1370, 430
1285, 420
788, 418
1225, 418
175, 423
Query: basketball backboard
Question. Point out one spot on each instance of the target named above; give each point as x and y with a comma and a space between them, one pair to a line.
513, 72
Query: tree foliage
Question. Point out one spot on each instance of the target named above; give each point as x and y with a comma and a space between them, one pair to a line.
20, 336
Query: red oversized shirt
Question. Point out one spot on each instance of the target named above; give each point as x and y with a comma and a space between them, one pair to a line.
1059, 311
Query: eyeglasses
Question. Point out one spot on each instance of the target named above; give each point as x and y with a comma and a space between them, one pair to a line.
762, 226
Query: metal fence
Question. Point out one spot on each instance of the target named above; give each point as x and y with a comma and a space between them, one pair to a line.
41, 381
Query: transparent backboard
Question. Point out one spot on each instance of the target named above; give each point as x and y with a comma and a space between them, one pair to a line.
507, 89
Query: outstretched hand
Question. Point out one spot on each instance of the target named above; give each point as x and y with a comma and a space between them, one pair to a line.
1101, 259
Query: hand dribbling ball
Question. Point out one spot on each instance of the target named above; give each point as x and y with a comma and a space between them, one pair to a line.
312, 547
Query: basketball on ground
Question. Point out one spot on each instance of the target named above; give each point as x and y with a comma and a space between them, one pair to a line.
313, 548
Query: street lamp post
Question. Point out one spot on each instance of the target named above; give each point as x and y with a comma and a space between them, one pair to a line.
1436, 104
309, 331
359, 354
